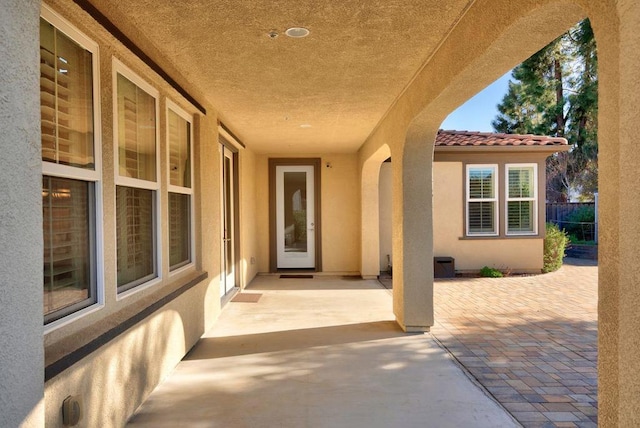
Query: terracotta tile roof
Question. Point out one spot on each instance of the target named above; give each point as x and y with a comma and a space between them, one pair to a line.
470, 138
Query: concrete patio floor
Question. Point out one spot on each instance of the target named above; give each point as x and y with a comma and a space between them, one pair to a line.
531, 341
322, 352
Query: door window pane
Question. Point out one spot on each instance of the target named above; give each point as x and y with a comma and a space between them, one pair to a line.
179, 233
68, 232
295, 212
135, 236
136, 131
66, 99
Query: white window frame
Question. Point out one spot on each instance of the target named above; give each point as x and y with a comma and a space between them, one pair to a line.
508, 199
494, 200
93, 176
120, 68
179, 189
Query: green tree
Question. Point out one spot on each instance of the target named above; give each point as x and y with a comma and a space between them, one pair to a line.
555, 92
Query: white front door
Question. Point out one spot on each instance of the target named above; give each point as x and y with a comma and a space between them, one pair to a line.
227, 253
295, 214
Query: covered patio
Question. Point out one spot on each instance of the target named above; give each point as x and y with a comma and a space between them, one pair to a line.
369, 81
326, 352
321, 352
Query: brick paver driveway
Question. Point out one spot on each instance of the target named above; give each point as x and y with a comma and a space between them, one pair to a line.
530, 341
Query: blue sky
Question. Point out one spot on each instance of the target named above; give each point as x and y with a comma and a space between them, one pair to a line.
478, 112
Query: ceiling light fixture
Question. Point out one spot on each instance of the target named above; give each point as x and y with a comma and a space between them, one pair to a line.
297, 32
305, 125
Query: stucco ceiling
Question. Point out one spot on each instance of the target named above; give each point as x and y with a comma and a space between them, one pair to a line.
340, 80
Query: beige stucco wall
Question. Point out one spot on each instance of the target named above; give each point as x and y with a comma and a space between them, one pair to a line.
114, 380
616, 26
133, 363
340, 211
248, 263
508, 254
21, 353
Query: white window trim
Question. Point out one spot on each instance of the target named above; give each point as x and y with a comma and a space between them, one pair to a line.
118, 67
95, 176
494, 200
170, 105
507, 199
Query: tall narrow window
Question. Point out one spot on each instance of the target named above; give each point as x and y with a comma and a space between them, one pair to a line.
136, 179
180, 189
70, 167
482, 200
521, 201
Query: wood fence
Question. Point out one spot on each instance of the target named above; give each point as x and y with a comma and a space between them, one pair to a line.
558, 212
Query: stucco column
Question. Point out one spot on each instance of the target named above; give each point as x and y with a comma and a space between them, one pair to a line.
21, 343
616, 29
413, 233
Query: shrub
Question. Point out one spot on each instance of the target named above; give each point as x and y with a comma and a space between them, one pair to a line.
488, 272
555, 242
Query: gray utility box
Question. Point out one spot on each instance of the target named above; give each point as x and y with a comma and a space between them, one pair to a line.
444, 267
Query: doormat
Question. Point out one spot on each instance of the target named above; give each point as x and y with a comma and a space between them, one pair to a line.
247, 297
296, 276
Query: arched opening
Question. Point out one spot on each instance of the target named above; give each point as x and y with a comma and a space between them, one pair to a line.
531, 340
370, 247
385, 193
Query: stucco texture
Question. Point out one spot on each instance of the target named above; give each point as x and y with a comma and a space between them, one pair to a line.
508, 254
114, 380
21, 353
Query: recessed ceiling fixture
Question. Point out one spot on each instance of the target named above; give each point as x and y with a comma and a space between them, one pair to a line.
305, 125
297, 32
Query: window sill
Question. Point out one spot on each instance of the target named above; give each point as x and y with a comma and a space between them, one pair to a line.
64, 353
500, 237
